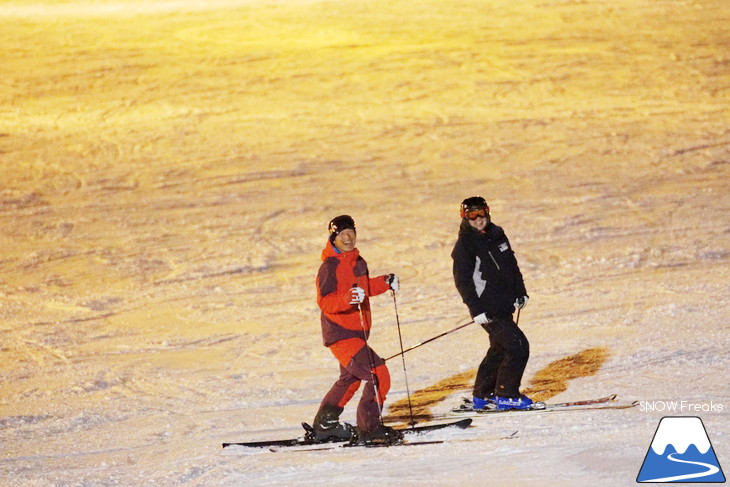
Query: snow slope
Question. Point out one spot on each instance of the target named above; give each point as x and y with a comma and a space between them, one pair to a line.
168, 175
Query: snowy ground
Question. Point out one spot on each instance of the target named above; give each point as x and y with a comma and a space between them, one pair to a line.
168, 170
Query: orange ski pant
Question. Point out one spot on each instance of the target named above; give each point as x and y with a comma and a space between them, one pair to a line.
355, 358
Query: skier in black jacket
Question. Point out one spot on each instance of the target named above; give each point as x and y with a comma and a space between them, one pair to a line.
490, 283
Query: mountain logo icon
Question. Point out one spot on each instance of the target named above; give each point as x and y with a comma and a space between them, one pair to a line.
681, 452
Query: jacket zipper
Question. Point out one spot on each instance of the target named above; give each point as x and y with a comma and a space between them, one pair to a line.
495, 262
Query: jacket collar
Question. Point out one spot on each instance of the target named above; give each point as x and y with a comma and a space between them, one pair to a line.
332, 251
491, 231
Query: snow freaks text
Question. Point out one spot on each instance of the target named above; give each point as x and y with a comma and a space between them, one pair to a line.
680, 407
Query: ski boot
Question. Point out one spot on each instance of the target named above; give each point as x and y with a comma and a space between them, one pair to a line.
338, 432
503, 403
327, 427
474, 403
381, 435
478, 403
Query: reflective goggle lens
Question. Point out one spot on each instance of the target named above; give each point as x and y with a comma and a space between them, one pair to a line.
474, 214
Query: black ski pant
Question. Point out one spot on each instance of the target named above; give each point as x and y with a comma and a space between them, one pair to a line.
501, 370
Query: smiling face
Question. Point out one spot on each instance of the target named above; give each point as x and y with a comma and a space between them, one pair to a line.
479, 223
345, 240
476, 212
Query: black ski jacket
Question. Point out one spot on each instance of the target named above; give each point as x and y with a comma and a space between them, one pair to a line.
486, 271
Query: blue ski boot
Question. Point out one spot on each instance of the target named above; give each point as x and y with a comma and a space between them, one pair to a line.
480, 404
474, 403
503, 403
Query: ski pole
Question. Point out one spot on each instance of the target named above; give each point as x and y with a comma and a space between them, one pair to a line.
430, 340
371, 361
405, 374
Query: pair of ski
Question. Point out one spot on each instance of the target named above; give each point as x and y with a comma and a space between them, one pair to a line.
307, 445
467, 407
463, 410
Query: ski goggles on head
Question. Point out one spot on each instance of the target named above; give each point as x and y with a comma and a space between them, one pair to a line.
476, 213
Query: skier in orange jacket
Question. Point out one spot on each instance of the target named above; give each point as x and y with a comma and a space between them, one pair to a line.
344, 287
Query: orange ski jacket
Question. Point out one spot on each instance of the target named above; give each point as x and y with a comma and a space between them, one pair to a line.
339, 272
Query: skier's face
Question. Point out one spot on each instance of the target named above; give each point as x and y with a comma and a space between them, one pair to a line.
479, 223
345, 240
